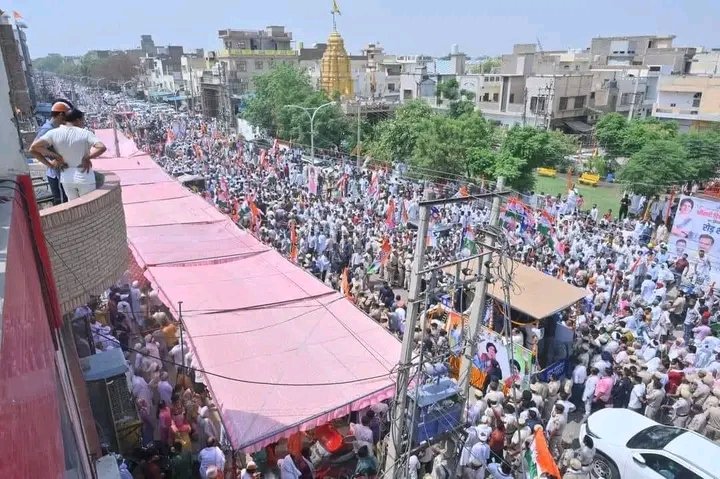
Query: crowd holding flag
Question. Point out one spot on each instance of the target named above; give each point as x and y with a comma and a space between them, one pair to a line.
382, 257
390, 215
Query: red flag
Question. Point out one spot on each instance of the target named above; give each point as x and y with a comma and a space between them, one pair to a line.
374, 189
390, 215
342, 183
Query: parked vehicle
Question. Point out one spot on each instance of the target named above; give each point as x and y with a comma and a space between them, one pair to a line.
632, 446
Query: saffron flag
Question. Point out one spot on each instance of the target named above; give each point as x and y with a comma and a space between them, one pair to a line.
293, 242
263, 158
345, 283
538, 459
382, 257
463, 192
390, 214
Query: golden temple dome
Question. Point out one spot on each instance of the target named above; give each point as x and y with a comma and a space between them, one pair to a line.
335, 74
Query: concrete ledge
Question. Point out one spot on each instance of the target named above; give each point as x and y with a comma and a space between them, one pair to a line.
87, 241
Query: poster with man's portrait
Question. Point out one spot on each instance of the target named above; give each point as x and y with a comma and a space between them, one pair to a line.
492, 356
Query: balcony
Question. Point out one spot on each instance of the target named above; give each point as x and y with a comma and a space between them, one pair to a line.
234, 52
87, 242
683, 113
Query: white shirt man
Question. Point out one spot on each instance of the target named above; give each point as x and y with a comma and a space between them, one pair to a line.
636, 394
77, 146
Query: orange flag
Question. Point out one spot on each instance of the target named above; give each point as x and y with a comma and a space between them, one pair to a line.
463, 192
345, 284
293, 242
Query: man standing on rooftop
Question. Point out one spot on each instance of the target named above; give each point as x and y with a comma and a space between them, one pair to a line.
57, 118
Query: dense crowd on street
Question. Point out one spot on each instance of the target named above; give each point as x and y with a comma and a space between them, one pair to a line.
644, 336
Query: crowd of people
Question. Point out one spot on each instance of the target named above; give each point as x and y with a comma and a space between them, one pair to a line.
643, 337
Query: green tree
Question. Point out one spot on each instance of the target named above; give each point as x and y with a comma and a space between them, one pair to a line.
448, 89
658, 164
610, 132
286, 85
638, 133
702, 150
459, 108
525, 148
394, 139
485, 67
453, 145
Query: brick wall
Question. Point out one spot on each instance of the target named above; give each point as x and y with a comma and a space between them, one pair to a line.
87, 239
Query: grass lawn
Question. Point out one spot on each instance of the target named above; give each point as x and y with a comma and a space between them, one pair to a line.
605, 195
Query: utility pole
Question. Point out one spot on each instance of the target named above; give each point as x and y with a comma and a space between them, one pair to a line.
631, 112
114, 126
398, 426
477, 309
357, 146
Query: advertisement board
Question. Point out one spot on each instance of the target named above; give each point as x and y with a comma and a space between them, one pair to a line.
696, 227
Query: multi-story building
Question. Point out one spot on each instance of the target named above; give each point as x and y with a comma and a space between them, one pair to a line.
18, 68
57, 258
147, 45
705, 62
193, 66
249, 53
627, 51
692, 101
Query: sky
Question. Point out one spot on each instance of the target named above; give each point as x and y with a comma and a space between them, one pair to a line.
431, 27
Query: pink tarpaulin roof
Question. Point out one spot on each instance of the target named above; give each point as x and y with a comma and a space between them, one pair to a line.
284, 352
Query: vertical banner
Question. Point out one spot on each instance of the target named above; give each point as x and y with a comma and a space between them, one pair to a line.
696, 228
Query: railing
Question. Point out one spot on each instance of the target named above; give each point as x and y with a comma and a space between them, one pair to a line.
87, 240
234, 52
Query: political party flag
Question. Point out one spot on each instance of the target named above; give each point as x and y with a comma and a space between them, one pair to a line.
468, 240
335, 7
538, 459
404, 213
374, 189
170, 137
390, 214
293, 242
341, 184
463, 192
345, 283
263, 158
312, 181
381, 258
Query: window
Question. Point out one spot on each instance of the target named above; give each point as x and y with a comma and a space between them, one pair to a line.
563, 103
258, 64
533, 103
696, 100
242, 66
592, 95
391, 86
579, 102
486, 97
673, 105
537, 104
626, 98
654, 437
512, 98
668, 468
496, 96
407, 94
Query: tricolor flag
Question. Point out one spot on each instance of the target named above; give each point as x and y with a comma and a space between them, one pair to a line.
538, 459
467, 242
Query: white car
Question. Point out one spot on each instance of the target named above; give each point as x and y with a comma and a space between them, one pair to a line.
632, 446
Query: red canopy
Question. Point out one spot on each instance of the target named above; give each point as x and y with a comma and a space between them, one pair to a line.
282, 351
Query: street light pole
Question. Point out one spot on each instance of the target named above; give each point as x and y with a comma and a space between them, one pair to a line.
307, 111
